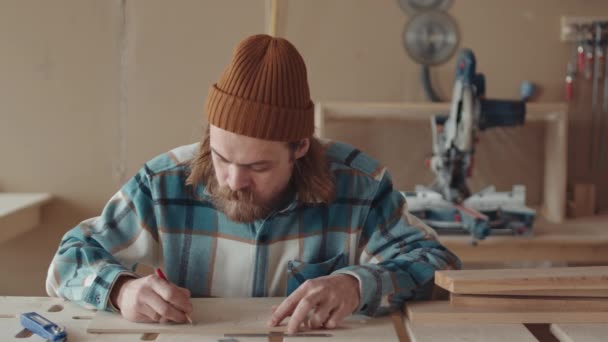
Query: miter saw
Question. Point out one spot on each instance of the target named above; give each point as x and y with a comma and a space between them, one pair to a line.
447, 204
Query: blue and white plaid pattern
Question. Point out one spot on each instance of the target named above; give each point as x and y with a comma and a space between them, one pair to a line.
156, 220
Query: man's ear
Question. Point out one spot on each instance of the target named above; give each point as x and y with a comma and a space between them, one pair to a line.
303, 147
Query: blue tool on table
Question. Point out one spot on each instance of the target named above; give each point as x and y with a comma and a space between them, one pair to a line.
41, 326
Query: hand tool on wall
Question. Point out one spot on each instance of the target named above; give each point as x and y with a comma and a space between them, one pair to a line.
595, 130
417, 6
570, 76
588, 49
430, 38
602, 139
580, 54
577, 63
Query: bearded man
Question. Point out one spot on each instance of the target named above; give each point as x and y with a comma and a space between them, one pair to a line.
260, 207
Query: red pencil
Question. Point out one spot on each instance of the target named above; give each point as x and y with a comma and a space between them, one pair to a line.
162, 276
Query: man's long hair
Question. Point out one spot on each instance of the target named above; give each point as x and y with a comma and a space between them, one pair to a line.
312, 178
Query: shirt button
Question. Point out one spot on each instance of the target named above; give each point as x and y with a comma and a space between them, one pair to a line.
97, 299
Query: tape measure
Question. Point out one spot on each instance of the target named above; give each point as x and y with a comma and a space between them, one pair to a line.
41, 326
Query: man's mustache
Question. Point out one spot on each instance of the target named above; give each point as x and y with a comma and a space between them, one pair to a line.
245, 196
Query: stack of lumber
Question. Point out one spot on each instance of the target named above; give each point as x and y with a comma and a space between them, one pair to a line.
551, 295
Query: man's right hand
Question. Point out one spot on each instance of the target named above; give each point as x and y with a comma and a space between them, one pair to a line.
151, 299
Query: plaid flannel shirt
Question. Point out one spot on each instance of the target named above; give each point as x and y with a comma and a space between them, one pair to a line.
155, 219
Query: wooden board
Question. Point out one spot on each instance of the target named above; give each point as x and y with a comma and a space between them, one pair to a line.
69, 315
527, 302
580, 332
535, 279
468, 332
169, 337
583, 200
19, 213
579, 241
11, 306
440, 312
551, 293
379, 329
218, 316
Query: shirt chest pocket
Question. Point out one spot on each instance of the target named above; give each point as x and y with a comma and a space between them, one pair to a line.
298, 271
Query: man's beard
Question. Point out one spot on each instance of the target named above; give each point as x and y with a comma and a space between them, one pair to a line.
237, 205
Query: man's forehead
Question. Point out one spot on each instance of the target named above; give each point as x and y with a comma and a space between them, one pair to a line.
230, 144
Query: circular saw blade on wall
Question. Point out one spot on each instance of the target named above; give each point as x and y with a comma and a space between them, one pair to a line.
431, 37
415, 6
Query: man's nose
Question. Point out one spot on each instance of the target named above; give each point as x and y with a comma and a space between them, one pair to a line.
238, 178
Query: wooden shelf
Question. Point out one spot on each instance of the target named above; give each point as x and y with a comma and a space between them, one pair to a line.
19, 213
581, 240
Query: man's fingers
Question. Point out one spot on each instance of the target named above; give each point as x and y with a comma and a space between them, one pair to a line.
320, 315
286, 307
337, 317
174, 295
165, 309
147, 314
301, 312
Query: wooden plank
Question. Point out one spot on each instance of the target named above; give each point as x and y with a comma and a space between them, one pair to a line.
19, 213
552, 293
168, 337
210, 315
357, 329
440, 312
581, 240
423, 110
468, 332
583, 200
555, 168
398, 323
527, 302
217, 316
11, 306
11, 330
508, 280
580, 332
70, 315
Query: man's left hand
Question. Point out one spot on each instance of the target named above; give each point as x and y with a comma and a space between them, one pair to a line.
327, 299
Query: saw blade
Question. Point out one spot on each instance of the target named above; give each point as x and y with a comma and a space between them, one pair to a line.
431, 38
415, 6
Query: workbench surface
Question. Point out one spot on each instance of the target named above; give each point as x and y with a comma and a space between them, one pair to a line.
76, 319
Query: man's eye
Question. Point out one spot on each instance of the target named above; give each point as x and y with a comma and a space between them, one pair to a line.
262, 168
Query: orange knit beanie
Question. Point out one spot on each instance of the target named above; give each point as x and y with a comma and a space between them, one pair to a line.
263, 92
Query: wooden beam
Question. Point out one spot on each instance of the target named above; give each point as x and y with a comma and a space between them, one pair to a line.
502, 302
582, 240
276, 17
533, 279
421, 332
440, 312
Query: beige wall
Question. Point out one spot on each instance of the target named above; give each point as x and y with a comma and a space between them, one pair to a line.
64, 74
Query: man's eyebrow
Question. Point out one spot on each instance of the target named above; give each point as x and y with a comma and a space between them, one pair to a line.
256, 163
